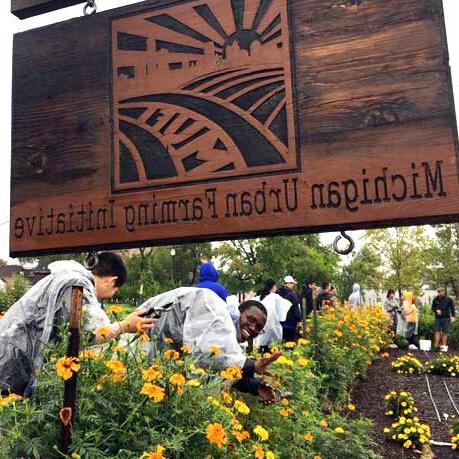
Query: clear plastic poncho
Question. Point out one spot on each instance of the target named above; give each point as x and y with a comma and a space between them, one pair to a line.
199, 318
277, 309
30, 323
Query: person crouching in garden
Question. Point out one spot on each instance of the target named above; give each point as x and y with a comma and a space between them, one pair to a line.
32, 322
199, 319
445, 312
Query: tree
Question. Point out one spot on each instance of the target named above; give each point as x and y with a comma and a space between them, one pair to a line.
12, 294
404, 256
364, 269
444, 258
247, 263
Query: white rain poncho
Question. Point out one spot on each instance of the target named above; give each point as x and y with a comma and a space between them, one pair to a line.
31, 322
199, 319
277, 309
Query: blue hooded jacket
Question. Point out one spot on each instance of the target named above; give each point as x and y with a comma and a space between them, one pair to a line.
208, 277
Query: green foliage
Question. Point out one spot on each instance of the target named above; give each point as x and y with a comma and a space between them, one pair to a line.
9, 296
401, 342
364, 269
445, 365
404, 256
248, 263
115, 420
426, 323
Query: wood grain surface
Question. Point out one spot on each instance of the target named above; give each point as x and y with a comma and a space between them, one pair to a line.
158, 123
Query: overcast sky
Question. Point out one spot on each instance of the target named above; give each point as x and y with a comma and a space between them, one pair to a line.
10, 25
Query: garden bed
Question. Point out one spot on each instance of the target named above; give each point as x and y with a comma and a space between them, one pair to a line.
368, 396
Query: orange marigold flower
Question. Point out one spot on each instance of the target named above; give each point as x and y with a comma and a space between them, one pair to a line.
168, 340
185, 349
89, 354
9, 398
317, 456
215, 350
308, 436
158, 454
216, 434
118, 370
241, 436
142, 333
171, 354
157, 393
177, 379
258, 451
151, 373
66, 366
231, 373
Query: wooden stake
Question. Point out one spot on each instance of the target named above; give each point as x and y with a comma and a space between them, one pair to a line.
73, 350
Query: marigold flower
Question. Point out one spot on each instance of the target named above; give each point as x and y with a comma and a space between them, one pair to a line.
231, 373
303, 342
158, 454
317, 456
142, 333
290, 344
339, 430
177, 379
157, 393
171, 354
258, 451
151, 373
215, 350
193, 382
89, 354
303, 362
308, 436
9, 398
185, 349
262, 433
324, 423
216, 434
66, 366
351, 407
270, 455
168, 340
226, 397
102, 332
114, 309
117, 368
241, 436
241, 407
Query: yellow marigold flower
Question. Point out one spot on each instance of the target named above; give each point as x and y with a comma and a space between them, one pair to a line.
216, 434
317, 456
285, 401
114, 309
9, 398
215, 350
168, 340
177, 379
303, 342
407, 444
338, 333
324, 423
119, 348
185, 349
151, 373
241, 436
339, 430
158, 454
193, 382
155, 392
308, 436
241, 407
261, 432
290, 345
386, 430
258, 451
303, 362
200, 371
305, 413
102, 332
171, 354
231, 373
351, 407
66, 366
226, 397
270, 455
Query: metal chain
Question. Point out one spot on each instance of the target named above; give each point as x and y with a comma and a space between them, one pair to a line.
90, 8
350, 246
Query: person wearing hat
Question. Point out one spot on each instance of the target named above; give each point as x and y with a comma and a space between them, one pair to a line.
290, 325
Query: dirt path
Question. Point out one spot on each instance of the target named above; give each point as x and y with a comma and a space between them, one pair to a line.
368, 396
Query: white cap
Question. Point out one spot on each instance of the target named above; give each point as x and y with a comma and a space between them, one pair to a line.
289, 279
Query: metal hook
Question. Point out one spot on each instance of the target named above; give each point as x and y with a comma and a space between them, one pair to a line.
90, 8
347, 250
91, 260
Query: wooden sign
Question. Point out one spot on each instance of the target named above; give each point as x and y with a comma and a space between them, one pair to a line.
167, 122
27, 8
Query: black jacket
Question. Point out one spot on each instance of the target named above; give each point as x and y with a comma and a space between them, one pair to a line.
446, 305
294, 313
